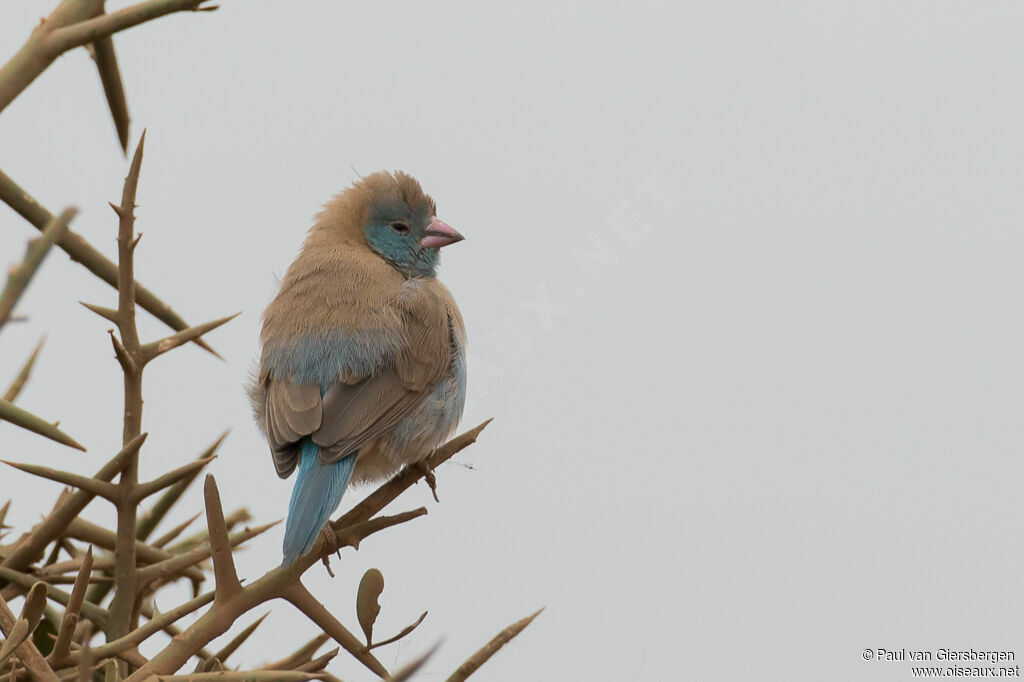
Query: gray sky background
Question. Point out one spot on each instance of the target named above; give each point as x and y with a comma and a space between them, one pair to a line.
742, 284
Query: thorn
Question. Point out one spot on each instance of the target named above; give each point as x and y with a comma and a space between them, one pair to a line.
108, 314
157, 348
121, 352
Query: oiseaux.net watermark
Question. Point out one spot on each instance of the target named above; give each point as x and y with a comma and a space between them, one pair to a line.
943, 662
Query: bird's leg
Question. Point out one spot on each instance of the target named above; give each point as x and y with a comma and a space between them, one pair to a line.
330, 545
428, 476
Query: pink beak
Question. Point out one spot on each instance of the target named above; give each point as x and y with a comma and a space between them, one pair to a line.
438, 234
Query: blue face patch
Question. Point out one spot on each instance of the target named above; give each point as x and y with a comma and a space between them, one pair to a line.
401, 248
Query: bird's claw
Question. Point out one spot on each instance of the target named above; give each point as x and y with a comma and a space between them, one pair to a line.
330, 546
428, 476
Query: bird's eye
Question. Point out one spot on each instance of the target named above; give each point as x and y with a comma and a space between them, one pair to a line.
400, 228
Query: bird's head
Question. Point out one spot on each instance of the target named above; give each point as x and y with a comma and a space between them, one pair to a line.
390, 213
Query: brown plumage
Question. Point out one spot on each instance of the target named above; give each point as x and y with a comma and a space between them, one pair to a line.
382, 339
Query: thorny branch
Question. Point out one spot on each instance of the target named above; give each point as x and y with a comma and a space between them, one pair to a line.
19, 278
125, 573
75, 23
56, 643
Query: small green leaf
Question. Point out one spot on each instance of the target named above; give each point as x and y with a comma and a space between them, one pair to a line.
18, 634
367, 604
35, 602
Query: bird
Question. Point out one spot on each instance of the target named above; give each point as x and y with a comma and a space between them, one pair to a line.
362, 361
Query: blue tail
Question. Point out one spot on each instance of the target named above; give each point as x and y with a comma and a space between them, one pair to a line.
317, 492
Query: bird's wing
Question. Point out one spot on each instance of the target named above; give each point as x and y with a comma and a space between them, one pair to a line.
356, 413
360, 408
291, 411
